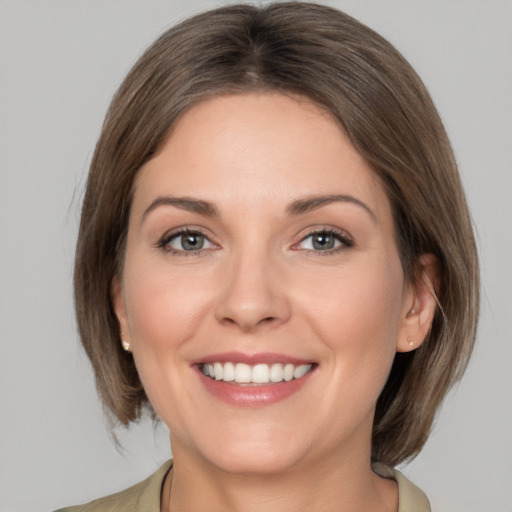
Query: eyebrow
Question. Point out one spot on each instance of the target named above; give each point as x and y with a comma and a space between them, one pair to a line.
310, 203
297, 207
184, 203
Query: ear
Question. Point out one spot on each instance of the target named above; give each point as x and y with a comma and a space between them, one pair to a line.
420, 304
117, 297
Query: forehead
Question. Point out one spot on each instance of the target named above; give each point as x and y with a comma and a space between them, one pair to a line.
254, 147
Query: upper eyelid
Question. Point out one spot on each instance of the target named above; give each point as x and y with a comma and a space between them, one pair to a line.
184, 230
345, 239
170, 235
341, 233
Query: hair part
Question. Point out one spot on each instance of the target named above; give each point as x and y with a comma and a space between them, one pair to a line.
366, 85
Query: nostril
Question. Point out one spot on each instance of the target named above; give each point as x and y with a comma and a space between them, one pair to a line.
248, 324
251, 302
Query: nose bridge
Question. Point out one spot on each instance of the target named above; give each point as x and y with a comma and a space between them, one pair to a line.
253, 293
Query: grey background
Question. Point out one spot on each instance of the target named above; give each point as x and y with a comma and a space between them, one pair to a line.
60, 62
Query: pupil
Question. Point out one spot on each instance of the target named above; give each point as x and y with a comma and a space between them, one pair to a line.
192, 241
323, 241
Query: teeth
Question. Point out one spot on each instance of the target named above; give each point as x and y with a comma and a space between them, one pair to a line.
288, 372
258, 374
300, 371
217, 371
228, 372
242, 373
276, 372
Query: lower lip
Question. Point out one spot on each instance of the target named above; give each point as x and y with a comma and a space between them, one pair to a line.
255, 395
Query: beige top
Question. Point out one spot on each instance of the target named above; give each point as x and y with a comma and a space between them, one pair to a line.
145, 496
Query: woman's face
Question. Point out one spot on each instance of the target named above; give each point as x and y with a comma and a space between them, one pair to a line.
261, 246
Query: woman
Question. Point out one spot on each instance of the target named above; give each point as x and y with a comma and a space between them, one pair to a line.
275, 257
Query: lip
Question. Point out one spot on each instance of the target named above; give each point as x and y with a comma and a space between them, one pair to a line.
252, 395
250, 359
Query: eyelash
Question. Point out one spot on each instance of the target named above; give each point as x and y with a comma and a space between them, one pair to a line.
169, 237
339, 236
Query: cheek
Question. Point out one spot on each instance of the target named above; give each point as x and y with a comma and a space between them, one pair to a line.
161, 307
163, 311
358, 317
368, 299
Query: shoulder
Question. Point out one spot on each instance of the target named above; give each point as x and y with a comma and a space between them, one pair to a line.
144, 496
410, 497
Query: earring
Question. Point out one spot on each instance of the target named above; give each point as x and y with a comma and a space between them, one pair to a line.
410, 339
126, 345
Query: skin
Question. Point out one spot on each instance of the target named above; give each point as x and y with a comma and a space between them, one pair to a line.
259, 285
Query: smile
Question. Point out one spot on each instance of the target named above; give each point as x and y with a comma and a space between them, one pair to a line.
253, 380
261, 373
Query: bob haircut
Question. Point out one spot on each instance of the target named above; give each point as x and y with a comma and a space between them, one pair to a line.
365, 84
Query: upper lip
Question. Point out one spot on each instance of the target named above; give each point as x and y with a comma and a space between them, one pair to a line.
251, 359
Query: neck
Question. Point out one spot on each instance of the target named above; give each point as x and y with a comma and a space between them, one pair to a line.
330, 486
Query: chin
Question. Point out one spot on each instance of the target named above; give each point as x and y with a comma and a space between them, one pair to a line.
257, 451
255, 461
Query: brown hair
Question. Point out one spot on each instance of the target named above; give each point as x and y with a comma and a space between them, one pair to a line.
342, 65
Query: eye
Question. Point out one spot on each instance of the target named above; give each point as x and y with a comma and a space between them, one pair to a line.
186, 241
324, 240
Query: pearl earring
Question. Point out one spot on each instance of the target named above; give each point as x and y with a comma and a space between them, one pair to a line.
410, 339
126, 345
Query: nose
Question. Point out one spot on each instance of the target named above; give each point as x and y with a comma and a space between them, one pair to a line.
252, 295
